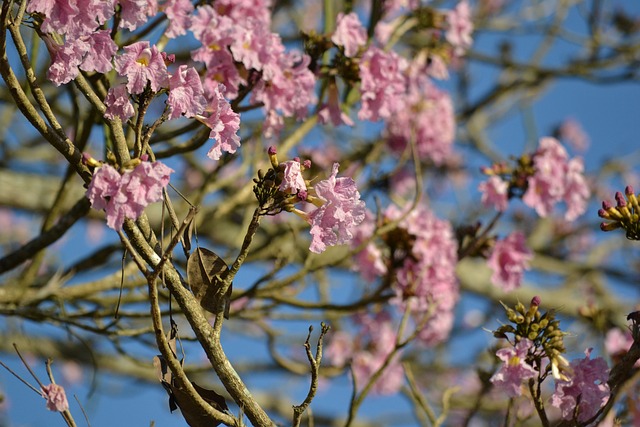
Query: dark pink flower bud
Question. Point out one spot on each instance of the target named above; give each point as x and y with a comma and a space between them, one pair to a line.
271, 150
603, 214
620, 199
302, 195
628, 190
606, 205
168, 59
536, 301
307, 164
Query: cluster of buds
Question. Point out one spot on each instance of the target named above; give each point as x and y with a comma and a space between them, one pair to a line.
282, 185
625, 215
542, 329
515, 176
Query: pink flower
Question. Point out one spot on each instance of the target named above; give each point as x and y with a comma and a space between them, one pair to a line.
134, 13
382, 84
292, 180
288, 85
508, 261
576, 190
556, 178
101, 49
59, 14
186, 95
460, 28
571, 132
342, 210
515, 368
427, 115
56, 397
118, 104
179, 13
372, 346
142, 64
587, 384
65, 60
369, 261
242, 10
331, 111
349, 34
425, 279
494, 193
617, 343
126, 196
224, 124
256, 47
340, 348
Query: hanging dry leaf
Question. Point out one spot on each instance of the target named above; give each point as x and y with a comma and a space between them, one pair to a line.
204, 268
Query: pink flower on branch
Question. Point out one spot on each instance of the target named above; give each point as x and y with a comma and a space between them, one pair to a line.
56, 397
556, 178
186, 94
118, 104
425, 114
223, 122
179, 13
494, 193
382, 84
127, 195
586, 391
374, 343
515, 368
341, 210
292, 180
460, 28
508, 261
142, 64
349, 34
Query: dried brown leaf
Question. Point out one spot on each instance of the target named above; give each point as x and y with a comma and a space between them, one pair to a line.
204, 269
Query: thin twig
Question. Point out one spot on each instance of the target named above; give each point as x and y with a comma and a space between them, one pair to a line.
315, 369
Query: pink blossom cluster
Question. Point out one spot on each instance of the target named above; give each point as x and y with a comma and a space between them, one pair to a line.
425, 115
460, 28
223, 122
586, 391
424, 279
90, 48
238, 33
339, 213
556, 178
369, 262
515, 368
85, 45
495, 193
126, 195
350, 34
509, 259
617, 343
573, 134
367, 352
382, 83
56, 397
